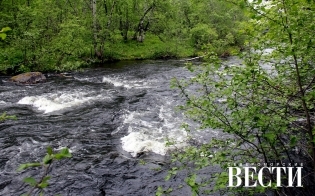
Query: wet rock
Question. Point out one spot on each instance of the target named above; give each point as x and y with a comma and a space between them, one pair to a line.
29, 78
4, 184
129, 177
113, 155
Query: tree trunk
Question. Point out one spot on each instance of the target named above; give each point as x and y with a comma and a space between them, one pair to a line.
139, 34
124, 24
94, 26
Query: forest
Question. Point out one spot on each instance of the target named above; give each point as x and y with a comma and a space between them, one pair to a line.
68, 34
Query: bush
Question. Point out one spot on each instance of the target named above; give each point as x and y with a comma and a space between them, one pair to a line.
265, 106
203, 34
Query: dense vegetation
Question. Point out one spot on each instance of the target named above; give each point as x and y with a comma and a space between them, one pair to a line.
266, 106
67, 34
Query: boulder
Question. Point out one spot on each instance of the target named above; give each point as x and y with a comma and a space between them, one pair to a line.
29, 78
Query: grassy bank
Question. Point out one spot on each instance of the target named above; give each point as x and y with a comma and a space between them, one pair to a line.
51, 60
152, 48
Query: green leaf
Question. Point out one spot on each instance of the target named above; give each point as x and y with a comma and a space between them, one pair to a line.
64, 153
44, 182
3, 36
5, 29
31, 181
191, 180
46, 178
49, 150
2, 32
293, 141
270, 136
43, 185
159, 192
47, 159
168, 177
27, 165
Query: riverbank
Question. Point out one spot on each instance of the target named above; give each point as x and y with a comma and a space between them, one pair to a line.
153, 48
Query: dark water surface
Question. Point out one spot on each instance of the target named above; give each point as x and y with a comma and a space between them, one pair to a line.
113, 119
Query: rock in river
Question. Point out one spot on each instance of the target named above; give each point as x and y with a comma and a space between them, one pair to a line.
29, 78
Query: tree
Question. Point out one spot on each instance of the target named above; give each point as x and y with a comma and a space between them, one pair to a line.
265, 106
66, 34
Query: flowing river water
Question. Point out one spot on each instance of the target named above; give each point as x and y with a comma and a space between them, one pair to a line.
115, 121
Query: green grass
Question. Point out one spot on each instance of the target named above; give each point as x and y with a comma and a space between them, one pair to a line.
151, 48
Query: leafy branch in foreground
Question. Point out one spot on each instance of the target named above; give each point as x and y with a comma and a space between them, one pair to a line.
265, 106
4, 117
3, 31
45, 164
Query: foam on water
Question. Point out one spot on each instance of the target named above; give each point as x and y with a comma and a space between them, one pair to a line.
137, 142
114, 82
126, 82
51, 102
87, 79
150, 131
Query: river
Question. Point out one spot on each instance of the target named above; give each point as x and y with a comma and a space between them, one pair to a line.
115, 121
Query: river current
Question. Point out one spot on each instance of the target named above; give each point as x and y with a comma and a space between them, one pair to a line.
114, 120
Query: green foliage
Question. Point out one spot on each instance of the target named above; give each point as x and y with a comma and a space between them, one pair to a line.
191, 182
164, 54
27, 165
202, 34
173, 171
4, 117
47, 161
161, 191
68, 34
264, 106
142, 162
3, 31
